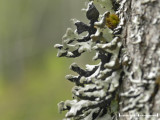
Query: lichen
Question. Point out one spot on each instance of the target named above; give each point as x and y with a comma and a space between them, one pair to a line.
96, 87
100, 92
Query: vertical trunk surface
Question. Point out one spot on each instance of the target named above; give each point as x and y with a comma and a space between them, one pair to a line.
141, 38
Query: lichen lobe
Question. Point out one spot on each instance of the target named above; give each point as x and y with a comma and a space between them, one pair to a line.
96, 86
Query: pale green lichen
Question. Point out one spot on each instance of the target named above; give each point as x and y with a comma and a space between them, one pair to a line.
94, 94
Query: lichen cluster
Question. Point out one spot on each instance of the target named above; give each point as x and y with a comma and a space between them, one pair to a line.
96, 87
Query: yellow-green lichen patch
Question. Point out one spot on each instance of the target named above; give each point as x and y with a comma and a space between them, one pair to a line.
112, 21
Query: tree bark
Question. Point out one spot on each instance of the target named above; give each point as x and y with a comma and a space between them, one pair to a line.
141, 39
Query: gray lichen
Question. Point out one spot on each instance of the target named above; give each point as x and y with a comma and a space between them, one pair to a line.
126, 80
95, 94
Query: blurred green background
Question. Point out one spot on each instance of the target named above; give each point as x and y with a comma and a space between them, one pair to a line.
31, 76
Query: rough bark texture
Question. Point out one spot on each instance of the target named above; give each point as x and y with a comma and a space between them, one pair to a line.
141, 38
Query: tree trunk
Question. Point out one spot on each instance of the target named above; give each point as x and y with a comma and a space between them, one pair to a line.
141, 38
